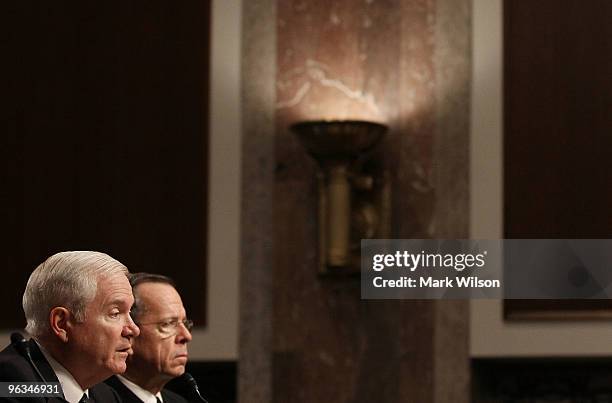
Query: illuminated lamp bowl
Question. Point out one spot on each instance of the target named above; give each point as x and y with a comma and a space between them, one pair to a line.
338, 139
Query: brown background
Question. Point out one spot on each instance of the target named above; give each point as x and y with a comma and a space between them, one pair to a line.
105, 139
558, 130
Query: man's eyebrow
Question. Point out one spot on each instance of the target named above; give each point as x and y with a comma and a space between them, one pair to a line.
168, 318
118, 302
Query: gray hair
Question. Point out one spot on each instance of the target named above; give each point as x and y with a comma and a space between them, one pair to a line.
67, 279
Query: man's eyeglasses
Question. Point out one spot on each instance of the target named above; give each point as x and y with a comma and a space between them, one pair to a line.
170, 327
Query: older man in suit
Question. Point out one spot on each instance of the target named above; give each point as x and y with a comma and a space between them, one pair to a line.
160, 352
77, 306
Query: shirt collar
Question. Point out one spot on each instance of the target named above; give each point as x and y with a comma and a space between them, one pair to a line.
71, 388
141, 393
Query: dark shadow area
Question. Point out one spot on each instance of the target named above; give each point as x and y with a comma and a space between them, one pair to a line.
542, 380
217, 381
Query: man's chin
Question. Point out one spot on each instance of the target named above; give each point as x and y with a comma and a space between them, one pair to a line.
177, 371
118, 367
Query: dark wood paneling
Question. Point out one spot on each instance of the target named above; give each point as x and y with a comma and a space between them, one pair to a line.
557, 126
557, 139
106, 142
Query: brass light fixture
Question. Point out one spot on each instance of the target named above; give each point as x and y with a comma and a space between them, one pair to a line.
354, 192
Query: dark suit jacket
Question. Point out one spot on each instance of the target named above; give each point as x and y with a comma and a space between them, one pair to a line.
128, 397
16, 368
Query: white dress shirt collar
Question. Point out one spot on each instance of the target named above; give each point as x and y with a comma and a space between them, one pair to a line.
142, 394
71, 388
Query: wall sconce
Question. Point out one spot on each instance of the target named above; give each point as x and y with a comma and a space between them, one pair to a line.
354, 191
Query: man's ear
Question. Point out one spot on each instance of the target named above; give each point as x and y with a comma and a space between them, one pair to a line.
59, 319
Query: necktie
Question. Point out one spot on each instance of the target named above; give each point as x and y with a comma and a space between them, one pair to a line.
84, 399
157, 398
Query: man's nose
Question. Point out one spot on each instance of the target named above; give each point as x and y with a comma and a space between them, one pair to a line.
183, 335
130, 328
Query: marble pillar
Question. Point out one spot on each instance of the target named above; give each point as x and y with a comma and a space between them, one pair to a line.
405, 63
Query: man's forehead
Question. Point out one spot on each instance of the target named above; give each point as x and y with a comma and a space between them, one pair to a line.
114, 289
158, 297
155, 289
